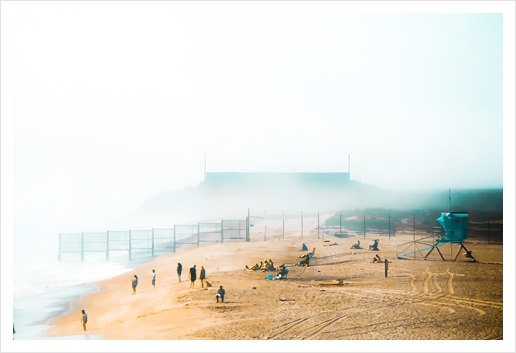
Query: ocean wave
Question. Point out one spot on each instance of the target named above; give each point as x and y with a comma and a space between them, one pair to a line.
36, 277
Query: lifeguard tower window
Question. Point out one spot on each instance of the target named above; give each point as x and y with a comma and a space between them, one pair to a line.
455, 225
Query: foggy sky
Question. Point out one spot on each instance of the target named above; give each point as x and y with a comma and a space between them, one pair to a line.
107, 104
113, 104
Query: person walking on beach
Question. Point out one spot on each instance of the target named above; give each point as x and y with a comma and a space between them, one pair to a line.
193, 276
202, 276
220, 294
134, 283
154, 278
84, 319
179, 270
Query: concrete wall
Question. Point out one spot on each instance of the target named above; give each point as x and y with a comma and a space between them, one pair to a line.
277, 178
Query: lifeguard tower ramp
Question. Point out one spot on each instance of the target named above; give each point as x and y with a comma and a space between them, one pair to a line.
455, 225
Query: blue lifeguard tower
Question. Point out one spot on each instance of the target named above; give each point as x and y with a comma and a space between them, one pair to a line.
455, 225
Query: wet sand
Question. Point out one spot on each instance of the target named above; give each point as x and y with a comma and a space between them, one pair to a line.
31, 314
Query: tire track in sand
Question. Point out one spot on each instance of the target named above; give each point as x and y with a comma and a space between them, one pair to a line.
323, 325
426, 280
290, 325
449, 284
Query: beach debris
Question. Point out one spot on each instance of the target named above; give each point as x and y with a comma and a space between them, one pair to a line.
338, 282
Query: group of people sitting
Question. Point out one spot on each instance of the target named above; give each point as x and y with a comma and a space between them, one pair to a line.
264, 266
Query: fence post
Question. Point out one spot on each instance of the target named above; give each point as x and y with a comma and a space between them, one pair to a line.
489, 230
340, 223
222, 231
389, 226
174, 238
130, 245
59, 255
265, 235
82, 246
247, 229
152, 242
364, 225
107, 245
198, 234
386, 267
301, 224
318, 225
283, 225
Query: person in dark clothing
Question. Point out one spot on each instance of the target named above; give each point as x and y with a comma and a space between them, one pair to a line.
179, 270
202, 276
220, 294
84, 319
134, 283
193, 276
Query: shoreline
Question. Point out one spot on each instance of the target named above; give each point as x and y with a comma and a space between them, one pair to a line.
33, 313
32, 319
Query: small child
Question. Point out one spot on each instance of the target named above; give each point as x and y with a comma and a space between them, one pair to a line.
154, 278
220, 294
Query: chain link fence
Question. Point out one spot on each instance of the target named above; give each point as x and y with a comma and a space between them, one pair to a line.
274, 225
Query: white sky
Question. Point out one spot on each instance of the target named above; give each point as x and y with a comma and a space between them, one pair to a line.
106, 104
116, 102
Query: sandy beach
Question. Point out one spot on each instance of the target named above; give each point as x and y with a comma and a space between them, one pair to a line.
342, 295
